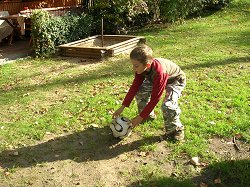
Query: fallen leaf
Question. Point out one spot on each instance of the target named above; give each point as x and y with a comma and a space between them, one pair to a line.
204, 164
217, 181
212, 122
174, 174
143, 154
202, 184
195, 161
161, 138
6, 173
43, 110
110, 111
15, 153
238, 136
25, 95
94, 125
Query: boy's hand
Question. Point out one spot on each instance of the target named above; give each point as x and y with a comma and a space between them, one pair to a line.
118, 111
136, 121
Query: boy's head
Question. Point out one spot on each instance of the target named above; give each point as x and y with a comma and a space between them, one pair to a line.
141, 57
143, 54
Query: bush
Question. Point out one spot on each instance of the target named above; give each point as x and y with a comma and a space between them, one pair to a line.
49, 32
173, 10
119, 13
116, 13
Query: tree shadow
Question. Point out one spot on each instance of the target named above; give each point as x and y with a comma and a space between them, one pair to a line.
163, 182
88, 145
101, 73
218, 63
233, 173
239, 39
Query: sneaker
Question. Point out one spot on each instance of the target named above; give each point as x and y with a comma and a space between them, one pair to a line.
177, 135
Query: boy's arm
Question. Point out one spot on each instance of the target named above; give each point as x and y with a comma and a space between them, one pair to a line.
133, 90
159, 85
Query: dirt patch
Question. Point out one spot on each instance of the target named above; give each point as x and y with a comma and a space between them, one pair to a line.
226, 148
82, 158
93, 157
10, 53
232, 169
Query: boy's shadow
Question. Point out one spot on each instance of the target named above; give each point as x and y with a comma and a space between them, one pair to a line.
90, 144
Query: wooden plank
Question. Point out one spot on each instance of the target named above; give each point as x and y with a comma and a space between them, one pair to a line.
126, 48
126, 44
80, 54
83, 52
97, 52
83, 56
81, 47
119, 36
67, 52
78, 41
122, 43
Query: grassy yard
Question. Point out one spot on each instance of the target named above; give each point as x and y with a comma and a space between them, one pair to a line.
40, 97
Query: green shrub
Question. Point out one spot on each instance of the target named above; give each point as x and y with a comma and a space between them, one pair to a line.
173, 10
116, 13
120, 13
49, 32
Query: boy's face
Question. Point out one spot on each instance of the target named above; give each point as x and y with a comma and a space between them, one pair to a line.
138, 67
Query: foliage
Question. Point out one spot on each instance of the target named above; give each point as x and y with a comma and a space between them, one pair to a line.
116, 13
121, 14
48, 31
173, 10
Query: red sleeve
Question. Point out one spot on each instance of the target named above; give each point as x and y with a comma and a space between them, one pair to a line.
159, 84
133, 89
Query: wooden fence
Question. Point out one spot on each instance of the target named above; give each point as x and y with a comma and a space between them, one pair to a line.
14, 7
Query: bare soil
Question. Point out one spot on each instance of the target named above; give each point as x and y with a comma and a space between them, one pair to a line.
94, 158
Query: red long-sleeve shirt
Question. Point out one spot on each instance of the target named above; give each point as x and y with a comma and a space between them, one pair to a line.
159, 80
162, 71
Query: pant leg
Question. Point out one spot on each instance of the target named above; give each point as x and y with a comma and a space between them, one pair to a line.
170, 108
143, 96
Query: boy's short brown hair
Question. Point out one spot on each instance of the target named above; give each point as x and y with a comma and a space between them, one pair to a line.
143, 54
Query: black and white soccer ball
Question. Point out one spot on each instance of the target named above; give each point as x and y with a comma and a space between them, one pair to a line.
121, 127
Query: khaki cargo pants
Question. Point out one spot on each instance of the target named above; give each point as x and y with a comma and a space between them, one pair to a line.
170, 109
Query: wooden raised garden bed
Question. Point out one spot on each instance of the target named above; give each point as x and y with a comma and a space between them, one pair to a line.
91, 47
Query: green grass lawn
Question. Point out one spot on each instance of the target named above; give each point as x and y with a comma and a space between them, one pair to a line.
41, 96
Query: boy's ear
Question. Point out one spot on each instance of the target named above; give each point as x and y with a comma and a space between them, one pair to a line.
148, 65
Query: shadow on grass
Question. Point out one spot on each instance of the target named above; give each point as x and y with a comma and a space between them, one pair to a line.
238, 39
90, 144
163, 182
234, 173
106, 72
217, 63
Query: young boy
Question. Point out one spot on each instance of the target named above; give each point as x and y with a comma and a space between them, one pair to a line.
152, 77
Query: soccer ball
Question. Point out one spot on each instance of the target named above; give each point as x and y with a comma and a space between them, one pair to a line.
121, 127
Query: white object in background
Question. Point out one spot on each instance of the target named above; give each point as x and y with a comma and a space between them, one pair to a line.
5, 28
20, 20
